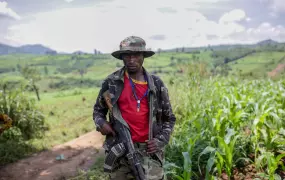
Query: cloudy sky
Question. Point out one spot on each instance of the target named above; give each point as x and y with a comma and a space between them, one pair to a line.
70, 25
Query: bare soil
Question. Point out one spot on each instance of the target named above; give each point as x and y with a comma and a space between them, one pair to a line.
275, 71
79, 154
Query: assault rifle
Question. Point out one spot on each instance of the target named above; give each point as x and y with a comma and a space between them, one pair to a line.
122, 144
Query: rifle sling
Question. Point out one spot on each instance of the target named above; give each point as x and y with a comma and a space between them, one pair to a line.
150, 115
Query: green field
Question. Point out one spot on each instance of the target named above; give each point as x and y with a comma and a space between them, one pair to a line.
67, 115
258, 63
229, 114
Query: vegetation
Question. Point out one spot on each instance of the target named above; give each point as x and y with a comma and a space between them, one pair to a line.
94, 173
227, 126
257, 64
229, 110
26, 122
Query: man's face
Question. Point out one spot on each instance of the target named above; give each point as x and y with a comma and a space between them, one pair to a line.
133, 61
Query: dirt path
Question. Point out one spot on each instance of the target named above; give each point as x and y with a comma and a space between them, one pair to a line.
275, 71
79, 153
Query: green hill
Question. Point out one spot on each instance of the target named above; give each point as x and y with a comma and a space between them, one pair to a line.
25, 49
258, 64
216, 110
65, 71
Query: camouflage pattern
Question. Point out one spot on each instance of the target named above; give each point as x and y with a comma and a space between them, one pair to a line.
152, 166
162, 116
132, 44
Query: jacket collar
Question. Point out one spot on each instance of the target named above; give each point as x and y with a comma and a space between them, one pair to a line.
119, 76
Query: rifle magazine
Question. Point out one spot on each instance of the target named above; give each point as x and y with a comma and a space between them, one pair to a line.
112, 157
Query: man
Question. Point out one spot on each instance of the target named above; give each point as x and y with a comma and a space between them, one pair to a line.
130, 90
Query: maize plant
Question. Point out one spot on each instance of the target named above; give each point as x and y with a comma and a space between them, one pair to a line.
226, 124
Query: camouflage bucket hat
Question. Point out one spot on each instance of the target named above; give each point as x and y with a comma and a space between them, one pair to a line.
132, 44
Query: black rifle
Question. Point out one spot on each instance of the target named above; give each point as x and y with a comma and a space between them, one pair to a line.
122, 145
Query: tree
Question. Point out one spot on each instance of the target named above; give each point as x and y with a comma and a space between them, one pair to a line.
226, 60
46, 70
32, 75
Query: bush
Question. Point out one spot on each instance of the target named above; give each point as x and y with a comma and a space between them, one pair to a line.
11, 151
27, 123
23, 112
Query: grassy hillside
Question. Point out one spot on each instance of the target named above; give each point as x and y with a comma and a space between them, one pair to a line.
258, 64
68, 115
66, 96
90, 68
68, 86
67, 71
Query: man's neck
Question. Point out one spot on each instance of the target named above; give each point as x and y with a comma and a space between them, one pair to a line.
139, 75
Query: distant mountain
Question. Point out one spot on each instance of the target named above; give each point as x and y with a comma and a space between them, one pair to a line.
228, 46
34, 49
26, 49
5, 49
268, 42
40, 49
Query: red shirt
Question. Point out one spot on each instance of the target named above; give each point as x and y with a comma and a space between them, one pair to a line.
138, 121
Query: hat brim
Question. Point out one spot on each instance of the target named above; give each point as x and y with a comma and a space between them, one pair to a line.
146, 54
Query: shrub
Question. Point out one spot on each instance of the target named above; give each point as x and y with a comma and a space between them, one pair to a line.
27, 123
23, 112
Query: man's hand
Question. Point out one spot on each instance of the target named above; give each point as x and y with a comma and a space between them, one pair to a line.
153, 146
107, 129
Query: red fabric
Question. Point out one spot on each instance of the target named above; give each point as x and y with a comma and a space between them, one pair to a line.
138, 121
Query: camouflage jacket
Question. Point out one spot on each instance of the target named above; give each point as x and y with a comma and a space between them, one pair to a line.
163, 117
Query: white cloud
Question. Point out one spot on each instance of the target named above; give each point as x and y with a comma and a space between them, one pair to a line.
68, 1
103, 27
232, 16
4, 10
263, 31
266, 30
89, 28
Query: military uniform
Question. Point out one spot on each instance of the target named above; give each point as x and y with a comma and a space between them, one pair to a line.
160, 112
